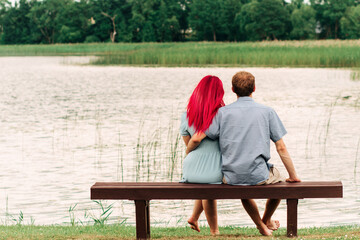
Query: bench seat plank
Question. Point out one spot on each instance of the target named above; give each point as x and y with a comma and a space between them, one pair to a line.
160, 190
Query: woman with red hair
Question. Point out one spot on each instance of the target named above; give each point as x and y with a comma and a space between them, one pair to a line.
203, 165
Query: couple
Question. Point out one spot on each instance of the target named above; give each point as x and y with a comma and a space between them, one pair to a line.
231, 145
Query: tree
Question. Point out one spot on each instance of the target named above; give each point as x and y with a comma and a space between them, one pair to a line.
72, 22
350, 23
183, 18
157, 20
329, 13
169, 27
3, 7
205, 19
230, 20
296, 4
43, 15
113, 32
264, 20
16, 25
111, 20
303, 22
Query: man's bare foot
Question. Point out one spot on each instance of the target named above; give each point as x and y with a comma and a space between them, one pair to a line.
273, 224
193, 224
215, 233
264, 230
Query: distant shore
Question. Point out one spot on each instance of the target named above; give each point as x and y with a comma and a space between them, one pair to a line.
128, 232
316, 53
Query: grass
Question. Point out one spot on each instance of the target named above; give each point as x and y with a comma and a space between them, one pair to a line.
321, 53
128, 232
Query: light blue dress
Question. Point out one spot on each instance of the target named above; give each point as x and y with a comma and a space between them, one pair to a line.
203, 165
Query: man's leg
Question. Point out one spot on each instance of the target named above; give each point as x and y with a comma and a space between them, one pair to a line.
210, 208
270, 208
251, 208
193, 220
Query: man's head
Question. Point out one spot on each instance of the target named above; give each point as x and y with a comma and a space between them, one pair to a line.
243, 84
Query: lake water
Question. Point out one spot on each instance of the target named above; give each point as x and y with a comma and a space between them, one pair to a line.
65, 126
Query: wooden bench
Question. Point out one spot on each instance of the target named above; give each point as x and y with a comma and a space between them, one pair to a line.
142, 193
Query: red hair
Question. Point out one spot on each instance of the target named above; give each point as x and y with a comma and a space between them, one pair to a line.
205, 102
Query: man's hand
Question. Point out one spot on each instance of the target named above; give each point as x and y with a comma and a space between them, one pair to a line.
293, 179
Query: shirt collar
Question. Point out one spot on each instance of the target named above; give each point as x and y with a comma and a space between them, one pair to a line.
243, 99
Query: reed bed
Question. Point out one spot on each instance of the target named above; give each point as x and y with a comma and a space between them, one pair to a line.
157, 158
232, 54
322, 53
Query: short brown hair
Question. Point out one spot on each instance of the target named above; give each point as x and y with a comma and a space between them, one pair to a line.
243, 83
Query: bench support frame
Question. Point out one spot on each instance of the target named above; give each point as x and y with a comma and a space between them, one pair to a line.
142, 208
292, 206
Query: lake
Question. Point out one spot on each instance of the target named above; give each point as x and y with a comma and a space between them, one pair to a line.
65, 125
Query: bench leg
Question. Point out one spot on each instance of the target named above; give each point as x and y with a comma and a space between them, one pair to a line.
142, 219
292, 217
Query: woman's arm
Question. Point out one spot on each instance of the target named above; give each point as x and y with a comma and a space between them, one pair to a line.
186, 139
195, 142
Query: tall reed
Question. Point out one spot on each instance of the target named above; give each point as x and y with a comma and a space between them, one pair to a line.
120, 160
72, 214
355, 75
327, 126
356, 157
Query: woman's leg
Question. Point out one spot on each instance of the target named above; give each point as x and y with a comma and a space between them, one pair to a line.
210, 208
193, 220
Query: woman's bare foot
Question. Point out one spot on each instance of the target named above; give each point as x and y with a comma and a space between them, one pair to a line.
193, 224
215, 233
264, 230
273, 224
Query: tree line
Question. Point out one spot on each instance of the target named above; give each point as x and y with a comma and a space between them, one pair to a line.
74, 21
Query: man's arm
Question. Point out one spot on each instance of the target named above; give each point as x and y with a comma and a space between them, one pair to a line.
195, 142
286, 159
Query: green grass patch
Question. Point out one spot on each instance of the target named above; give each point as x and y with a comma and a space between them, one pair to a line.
322, 53
129, 232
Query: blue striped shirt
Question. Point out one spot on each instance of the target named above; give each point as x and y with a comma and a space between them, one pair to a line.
244, 129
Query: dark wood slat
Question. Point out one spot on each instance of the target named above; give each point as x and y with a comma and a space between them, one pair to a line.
148, 191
